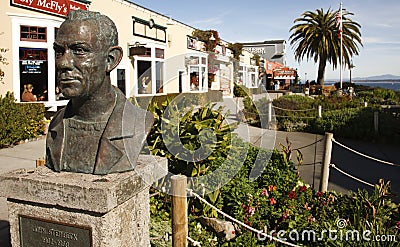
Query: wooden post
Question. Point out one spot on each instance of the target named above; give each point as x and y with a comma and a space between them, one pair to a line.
320, 111
179, 211
376, 122
326, 161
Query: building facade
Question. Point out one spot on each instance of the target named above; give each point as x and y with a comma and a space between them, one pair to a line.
273, 56
160, 54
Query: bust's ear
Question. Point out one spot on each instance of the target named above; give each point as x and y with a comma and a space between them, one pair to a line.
114, 57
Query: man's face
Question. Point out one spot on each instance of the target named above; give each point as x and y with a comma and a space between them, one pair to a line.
80, 59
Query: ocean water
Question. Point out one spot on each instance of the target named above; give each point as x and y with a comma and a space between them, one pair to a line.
388, 85
395, 85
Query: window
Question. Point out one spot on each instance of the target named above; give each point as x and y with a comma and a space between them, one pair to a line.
33, 33
197, 70
150, 71
121, 80
242, 75
159, 53
159, 77
144, 77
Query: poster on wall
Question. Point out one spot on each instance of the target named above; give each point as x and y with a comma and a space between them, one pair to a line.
31, 66
54, 7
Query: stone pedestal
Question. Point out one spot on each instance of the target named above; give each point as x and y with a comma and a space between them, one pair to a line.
67, 209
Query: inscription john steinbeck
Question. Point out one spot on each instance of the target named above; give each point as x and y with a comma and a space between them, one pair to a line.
35, 232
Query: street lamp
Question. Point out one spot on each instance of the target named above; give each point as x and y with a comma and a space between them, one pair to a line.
212, 37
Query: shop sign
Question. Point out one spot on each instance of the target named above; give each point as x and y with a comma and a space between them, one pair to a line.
255, 50
55, 7
284, 73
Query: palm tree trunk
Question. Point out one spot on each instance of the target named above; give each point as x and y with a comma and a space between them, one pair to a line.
321, 71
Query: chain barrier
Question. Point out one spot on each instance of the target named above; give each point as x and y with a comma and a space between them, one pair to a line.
312, 109
239, 222
350, 176
364, 155
194, 242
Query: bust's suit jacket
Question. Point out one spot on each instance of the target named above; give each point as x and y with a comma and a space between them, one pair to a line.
120, 143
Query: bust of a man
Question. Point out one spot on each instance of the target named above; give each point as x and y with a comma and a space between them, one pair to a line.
99, 131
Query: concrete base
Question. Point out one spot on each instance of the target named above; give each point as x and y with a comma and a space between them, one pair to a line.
74, 209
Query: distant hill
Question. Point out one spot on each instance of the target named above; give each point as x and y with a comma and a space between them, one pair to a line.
379, 77
387, 77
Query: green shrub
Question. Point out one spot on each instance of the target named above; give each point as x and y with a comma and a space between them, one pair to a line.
240, 91
19, 121
380, 96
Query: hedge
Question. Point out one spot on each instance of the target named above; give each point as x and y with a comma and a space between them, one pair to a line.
19, 121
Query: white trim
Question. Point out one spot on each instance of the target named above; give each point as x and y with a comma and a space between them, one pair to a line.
50, 23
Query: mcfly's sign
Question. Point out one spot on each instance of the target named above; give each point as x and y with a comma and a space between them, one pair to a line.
55, 7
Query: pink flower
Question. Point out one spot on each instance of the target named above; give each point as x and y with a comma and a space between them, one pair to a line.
251, 210
264, 192
319, 194
272, 201
284, 216
292, 194
398, 224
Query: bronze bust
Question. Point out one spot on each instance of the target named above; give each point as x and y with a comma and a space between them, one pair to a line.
99, 131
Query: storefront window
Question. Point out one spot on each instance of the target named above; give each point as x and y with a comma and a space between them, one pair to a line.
197, 70
194, 78
252, 72
121, 80
33, 33
144, 77
150, 71
33, 70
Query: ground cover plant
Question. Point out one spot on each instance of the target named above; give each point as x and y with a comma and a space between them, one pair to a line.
277, 201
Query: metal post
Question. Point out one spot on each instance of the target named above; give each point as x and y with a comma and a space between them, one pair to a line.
179, 211
326, 161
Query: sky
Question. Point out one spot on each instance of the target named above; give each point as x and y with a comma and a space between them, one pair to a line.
261, 20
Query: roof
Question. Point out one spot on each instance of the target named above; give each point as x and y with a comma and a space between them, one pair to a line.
266, 42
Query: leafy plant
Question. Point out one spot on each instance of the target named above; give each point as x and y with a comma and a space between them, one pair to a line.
19, 121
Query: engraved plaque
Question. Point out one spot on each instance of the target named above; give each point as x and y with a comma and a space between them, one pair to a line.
41, 233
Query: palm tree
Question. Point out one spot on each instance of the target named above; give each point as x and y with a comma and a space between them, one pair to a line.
316, 36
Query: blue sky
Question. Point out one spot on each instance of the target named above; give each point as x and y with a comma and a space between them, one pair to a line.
260, 20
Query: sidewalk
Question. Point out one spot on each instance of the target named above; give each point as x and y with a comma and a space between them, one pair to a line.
21, 156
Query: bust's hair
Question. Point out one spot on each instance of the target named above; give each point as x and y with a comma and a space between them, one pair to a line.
108, 30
